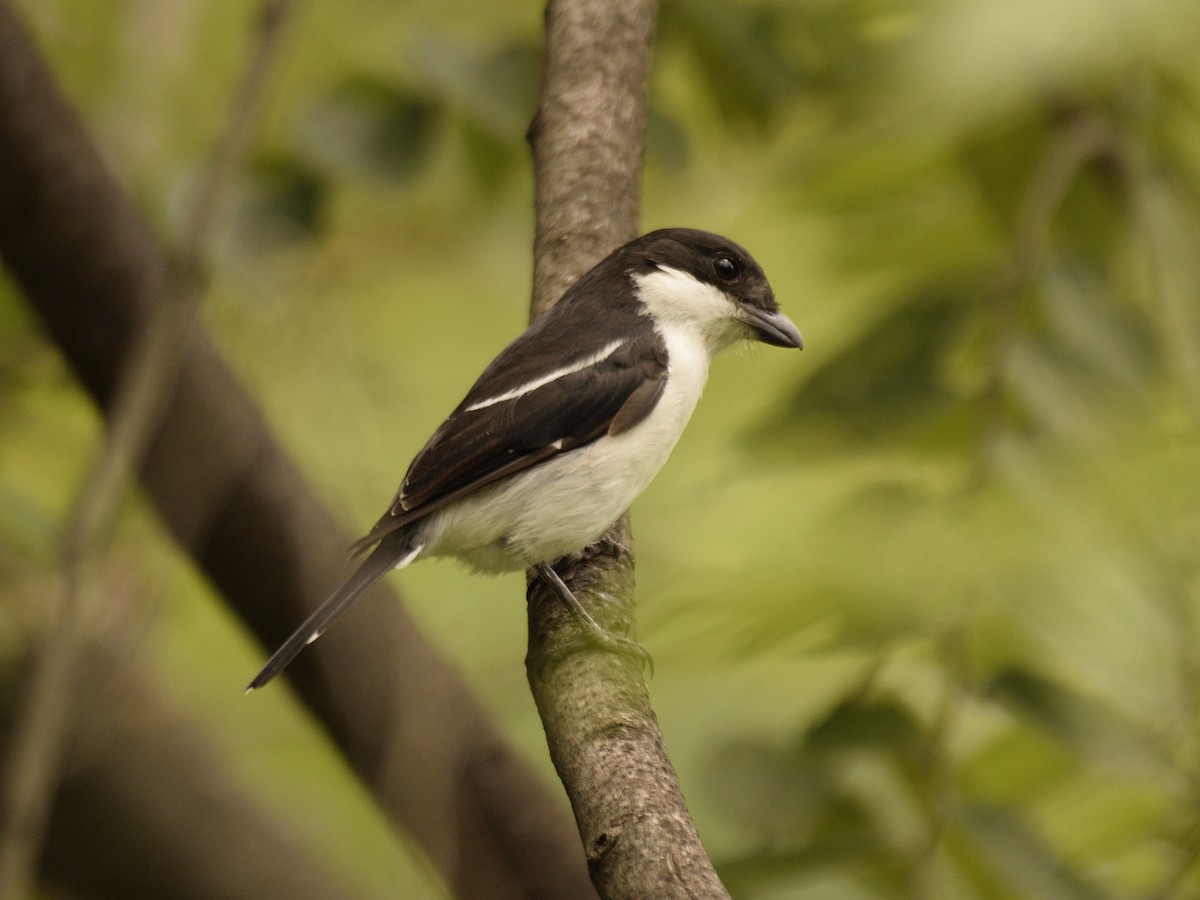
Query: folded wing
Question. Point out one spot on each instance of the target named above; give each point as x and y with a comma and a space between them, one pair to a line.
502, 428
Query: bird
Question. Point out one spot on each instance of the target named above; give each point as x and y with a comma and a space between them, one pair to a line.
570, 422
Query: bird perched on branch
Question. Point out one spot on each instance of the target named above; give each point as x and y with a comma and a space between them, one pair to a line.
570, 423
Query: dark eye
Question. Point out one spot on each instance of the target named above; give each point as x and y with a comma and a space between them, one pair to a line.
727, 268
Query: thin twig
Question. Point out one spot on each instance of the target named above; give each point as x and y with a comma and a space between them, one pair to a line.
144, 389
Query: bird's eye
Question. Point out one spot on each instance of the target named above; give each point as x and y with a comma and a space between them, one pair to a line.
727, 268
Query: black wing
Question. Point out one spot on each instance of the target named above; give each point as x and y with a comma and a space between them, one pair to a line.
499, 429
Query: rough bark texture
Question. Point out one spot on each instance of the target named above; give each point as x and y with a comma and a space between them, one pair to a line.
235, 502
588, 137
588, 143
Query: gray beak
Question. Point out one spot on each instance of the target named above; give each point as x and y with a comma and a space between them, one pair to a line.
772, 327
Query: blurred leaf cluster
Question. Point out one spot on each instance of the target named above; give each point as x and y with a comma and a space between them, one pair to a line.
1010, 414
961, 534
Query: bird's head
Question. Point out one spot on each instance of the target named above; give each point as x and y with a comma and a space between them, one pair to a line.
698, 280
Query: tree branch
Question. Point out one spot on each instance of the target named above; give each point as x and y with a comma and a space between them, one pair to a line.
147, 809
235, 502
588, 141
140, 396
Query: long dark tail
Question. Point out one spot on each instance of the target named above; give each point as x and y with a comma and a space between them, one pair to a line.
394, 551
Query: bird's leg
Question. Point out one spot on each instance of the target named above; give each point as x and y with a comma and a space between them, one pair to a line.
614, 546
594, 634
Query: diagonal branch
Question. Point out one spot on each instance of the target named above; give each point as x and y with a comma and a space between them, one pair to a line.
150, 778
140, 397
234, 501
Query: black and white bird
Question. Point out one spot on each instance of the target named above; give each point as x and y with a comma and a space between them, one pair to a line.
572, 420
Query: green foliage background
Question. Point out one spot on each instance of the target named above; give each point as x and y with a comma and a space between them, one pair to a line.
923, 599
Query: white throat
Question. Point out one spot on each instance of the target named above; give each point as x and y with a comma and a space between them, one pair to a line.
675, 297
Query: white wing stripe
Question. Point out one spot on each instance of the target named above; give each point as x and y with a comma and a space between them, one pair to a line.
531, 386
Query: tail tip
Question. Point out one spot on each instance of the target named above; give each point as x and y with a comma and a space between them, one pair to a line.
259, 681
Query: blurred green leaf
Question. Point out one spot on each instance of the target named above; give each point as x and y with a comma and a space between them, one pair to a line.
735, 49
1092, 729
494, 87
881, 724
1029, 866
890, 380
369, 128
767, 791
1019, 766
278, 202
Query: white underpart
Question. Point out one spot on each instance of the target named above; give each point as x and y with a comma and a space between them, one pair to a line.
530, 387
565, 503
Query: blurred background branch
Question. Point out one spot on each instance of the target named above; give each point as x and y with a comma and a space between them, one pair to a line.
230, 496
145, 806
143, 388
